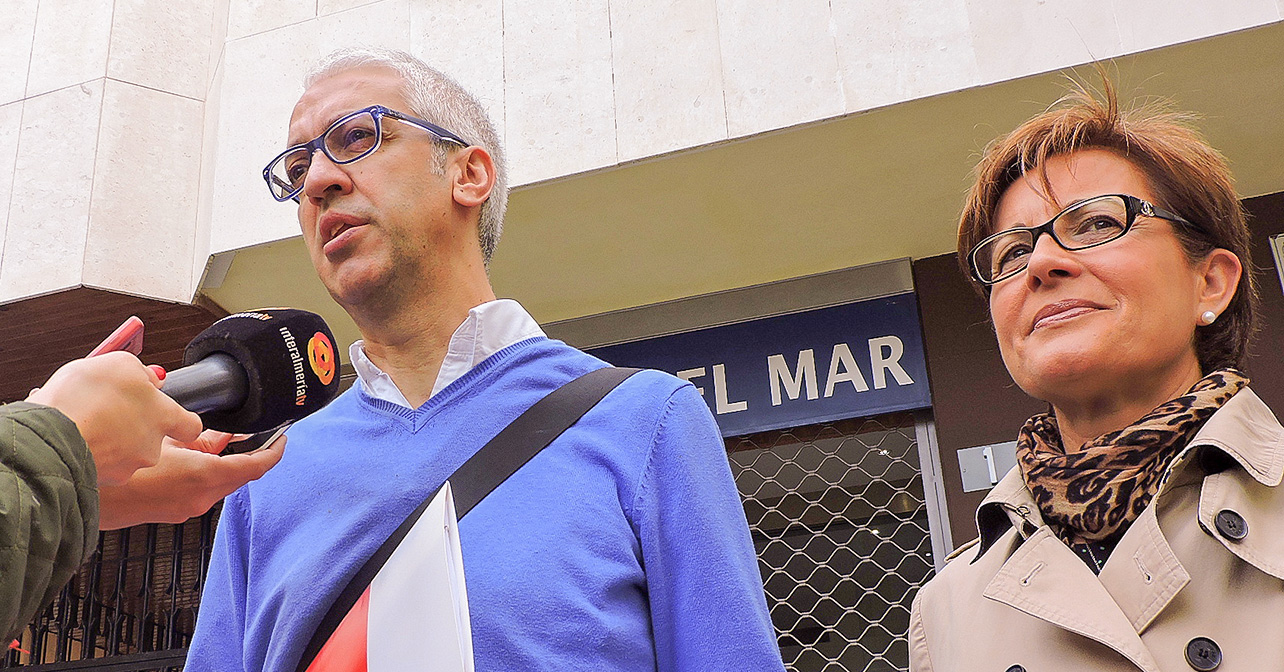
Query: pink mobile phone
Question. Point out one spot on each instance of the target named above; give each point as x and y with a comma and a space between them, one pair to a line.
128, 337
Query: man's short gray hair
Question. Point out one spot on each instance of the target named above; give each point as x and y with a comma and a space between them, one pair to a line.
435, 97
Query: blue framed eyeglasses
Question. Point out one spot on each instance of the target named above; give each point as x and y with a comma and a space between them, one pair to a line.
350, 139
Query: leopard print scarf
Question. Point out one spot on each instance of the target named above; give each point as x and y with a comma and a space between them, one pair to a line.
1097, 492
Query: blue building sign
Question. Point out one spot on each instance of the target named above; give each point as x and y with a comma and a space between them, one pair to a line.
847, 361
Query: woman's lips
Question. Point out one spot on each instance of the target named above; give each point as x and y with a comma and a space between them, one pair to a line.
1061, 311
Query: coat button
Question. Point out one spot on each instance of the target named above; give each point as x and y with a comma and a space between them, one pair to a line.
1203, 654
1231, 525
1016, 668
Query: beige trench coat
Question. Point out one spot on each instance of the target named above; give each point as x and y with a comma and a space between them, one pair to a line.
1178, 592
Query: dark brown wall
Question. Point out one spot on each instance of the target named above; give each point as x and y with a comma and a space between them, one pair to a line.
40, 334
975, 402
1265, 364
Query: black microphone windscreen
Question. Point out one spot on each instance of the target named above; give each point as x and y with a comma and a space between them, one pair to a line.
289, 359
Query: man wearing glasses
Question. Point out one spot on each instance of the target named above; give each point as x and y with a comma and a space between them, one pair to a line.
621, 546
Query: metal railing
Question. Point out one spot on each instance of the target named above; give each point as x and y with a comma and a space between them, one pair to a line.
131, 608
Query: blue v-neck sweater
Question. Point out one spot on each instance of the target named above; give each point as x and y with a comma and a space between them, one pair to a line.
621, 546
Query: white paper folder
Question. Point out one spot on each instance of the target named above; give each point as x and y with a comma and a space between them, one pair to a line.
418, 602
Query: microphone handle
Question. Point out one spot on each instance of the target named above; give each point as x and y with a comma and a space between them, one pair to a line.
216, 383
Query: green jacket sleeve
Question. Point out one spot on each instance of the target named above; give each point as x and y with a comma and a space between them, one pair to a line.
48, 509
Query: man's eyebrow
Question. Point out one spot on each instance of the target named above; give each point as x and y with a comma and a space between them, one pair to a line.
291, 142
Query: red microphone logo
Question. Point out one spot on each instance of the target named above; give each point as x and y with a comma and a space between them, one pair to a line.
321, 357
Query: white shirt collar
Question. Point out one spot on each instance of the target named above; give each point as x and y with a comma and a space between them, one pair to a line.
489, 328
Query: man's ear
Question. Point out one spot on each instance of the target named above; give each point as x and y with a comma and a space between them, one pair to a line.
474, 176
1220, 274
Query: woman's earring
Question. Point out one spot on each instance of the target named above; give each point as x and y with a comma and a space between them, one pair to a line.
1207, 318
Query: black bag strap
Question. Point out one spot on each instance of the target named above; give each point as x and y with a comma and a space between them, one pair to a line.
500, 458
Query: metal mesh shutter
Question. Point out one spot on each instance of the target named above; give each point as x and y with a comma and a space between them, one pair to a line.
839, 522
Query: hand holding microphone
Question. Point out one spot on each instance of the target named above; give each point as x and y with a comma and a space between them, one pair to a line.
123, 417
249, 372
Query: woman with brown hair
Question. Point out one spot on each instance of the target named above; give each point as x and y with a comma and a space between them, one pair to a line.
1143, 528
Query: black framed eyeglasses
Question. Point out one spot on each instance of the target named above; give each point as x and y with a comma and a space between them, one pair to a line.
351, 138
1088, 223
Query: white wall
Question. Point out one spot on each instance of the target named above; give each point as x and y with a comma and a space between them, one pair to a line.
101, 125
578, 85
133, 133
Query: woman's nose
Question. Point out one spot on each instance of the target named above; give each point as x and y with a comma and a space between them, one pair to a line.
1049, 261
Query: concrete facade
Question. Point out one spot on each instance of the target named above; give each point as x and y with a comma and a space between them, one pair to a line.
102, 110
133, 133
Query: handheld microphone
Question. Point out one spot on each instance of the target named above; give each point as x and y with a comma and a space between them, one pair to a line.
254, 371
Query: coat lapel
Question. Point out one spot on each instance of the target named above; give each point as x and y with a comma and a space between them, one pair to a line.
1143, 574
1252, 436
1009, 504
1258, 506
1045, 579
